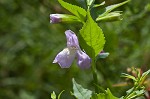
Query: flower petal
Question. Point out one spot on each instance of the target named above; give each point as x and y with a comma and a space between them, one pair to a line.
65, 57
83, 60
72, 40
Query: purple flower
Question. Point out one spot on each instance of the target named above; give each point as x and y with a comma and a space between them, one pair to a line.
67, 55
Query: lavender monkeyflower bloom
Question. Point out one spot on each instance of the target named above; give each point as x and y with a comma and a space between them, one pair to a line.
67, 55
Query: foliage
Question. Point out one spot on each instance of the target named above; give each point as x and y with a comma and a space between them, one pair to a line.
28, 46
92, 38
79, 92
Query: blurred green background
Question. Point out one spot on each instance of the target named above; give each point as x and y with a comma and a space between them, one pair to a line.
29, 43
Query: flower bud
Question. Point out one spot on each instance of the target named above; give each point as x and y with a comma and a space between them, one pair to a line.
102, 54
57, 18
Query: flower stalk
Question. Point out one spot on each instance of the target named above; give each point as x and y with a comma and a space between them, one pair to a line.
94, 72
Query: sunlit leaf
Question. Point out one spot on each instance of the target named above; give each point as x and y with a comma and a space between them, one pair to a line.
92, 37
76, 10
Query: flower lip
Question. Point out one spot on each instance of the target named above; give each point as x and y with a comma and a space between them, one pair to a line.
65, 57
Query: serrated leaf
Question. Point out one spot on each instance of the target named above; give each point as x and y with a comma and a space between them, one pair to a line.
79, 92
91, 37
76, 10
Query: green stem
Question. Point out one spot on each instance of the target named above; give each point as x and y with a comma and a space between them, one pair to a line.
95, 76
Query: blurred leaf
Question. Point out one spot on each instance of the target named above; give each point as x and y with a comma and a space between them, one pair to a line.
98, 5
53, 95
128, 76
24, 95
136, 94
112, 16
144, 75
112, 7
130, 90
107, 95
60, 94
92, 37
90, 2
147, 7
82, 3
76, 10
79, 92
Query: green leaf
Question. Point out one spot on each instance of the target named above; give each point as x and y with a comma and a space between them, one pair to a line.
79, 92
108, 9
90, 2
53, 95
136, 94
91, 37
128, 76
60, 94
144, 75
81, 3
98, 5
112, 7
112, 16
76, 10
107, 95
